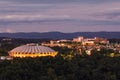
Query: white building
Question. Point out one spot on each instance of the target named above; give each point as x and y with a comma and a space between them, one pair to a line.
78, 39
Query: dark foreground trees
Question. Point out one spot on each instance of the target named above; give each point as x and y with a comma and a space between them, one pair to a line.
94, 67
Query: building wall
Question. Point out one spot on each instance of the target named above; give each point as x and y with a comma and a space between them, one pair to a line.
22, 55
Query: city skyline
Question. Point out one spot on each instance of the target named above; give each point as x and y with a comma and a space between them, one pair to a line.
59, 15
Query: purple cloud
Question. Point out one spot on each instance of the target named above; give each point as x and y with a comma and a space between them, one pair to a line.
60, 1
59, 15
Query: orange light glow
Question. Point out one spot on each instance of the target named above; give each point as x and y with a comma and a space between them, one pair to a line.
22, 55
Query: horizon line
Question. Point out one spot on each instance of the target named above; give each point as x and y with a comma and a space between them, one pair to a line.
61, 32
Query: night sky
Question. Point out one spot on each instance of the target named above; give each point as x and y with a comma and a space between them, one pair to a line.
59, 15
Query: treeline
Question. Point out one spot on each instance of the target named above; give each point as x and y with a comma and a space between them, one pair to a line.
114, 40
94, 67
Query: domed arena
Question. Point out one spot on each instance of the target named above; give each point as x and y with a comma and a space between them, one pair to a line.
32, 50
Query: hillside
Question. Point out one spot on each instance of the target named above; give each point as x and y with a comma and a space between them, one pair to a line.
59, 35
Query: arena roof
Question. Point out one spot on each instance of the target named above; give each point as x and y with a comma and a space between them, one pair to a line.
32, 48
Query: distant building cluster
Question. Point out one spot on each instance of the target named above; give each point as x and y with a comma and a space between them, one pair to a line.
87, 45
6, 39
90, 41
80, 39
60, 43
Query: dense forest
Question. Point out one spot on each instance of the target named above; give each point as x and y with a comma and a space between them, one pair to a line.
94, 67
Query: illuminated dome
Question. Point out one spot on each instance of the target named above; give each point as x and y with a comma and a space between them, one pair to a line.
32, 50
